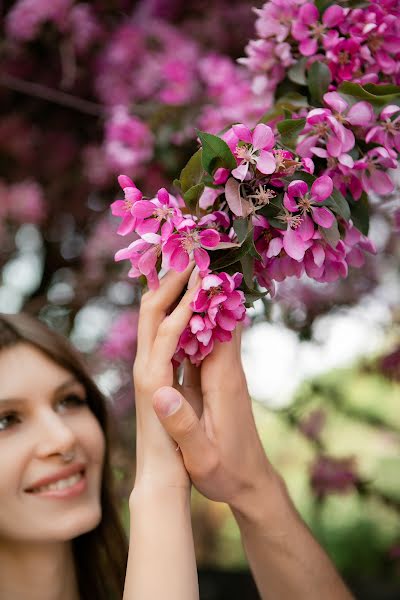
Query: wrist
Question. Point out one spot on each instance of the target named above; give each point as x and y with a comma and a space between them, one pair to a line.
147, 488
266, 504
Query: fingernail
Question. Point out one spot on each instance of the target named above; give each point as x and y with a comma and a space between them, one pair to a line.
168, 402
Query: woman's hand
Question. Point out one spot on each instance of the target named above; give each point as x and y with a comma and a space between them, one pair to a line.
215, 428
158, 463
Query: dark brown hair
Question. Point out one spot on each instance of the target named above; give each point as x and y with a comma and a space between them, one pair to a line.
101, 554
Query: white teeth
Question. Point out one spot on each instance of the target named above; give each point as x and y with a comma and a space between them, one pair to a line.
62, 484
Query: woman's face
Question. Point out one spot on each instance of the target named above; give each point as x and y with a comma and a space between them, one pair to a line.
43, 414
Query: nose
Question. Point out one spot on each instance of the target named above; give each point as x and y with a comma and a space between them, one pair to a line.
55, 436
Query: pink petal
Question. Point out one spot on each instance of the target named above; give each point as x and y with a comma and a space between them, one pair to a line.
361, 113
125, 181
196, 324
294, 245
263, 137
232, 195
334, 146
274, 247
225, 320
297, 188
211, 281
290, 203
308, 47
308, 13
321, 188
209, 238
381, 182
266, 162
333, 16
323, 216
148, 226
242, 132
306, 228
179, 259
202, 259
319, 254
127, 225
143, 209
118, 208
241, 171
147, 261
335, 101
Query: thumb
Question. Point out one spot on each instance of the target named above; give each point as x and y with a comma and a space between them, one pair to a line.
182, 424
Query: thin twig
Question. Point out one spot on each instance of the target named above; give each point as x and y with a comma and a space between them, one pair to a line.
51, 95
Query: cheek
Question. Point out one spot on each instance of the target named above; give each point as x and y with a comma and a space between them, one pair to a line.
92, 439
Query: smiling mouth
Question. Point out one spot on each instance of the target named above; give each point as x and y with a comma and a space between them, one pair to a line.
61, 484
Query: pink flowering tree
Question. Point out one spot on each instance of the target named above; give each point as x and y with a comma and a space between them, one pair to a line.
294, 190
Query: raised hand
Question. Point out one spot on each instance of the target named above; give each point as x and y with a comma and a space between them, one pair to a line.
158, 335
215, 428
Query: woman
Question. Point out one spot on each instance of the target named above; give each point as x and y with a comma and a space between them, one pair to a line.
65, 539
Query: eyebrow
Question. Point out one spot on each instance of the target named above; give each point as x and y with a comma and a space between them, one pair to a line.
66, 384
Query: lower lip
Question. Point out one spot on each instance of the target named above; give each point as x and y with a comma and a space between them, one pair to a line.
70, 492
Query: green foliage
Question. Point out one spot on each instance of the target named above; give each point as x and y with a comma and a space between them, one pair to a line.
289, 130
378, 95
318, 80
216, 153
360, 213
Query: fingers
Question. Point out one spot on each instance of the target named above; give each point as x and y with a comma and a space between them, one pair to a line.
191, 387
182, 424
155, 304
170, 330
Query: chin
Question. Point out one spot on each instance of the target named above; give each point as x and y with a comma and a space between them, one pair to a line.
79, 523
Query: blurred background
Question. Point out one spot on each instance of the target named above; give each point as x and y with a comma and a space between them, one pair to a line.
92, 90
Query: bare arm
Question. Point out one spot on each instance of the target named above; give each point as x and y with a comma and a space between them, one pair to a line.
285, 559
161, 561
226, 461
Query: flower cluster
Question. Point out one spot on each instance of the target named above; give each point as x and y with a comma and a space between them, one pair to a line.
360, 44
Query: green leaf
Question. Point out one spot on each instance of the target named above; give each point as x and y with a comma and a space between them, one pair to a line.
247, 263
378, 95
177, 184
360, 213
191, 197
318, 80
253, 296
192, 174
289, 130
216, 153
297, 73
331, 235
241, 227
322, 5
338, 203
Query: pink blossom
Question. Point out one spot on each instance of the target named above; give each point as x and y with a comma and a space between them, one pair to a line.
120, 341
344, 59
128, 140
373, 170
123, 208
150, 214
218, 306
309, 31
323, 128
187, 240
386, 132
144, 253
26, 16
26, 202
255, 150
299, 199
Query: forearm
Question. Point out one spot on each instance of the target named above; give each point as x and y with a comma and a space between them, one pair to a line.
161, 560
285, 559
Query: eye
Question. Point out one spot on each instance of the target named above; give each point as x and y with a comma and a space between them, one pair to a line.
8, 420
74, 400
